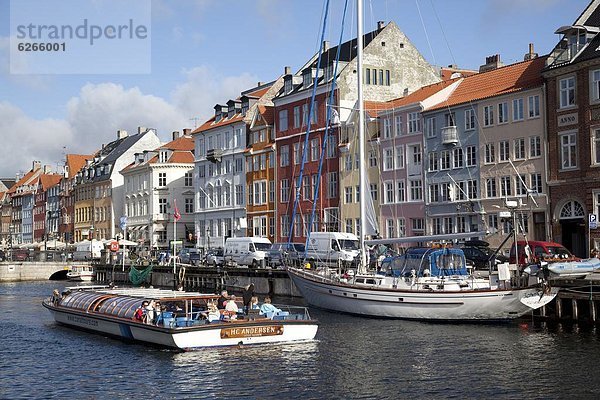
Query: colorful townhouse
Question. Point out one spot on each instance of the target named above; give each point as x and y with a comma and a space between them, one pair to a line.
484, 146
221, 156
21, 197
99, 201
402, 211
572, 80
66, 212
45, 198
5, 213
156, 182
391, 66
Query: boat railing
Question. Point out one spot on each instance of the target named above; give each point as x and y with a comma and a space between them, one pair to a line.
297, 313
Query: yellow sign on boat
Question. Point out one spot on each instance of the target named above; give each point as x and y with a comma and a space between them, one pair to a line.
252, 331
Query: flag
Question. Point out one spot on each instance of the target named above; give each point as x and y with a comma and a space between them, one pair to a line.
176, 214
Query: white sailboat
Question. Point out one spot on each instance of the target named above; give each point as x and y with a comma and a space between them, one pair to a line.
424, 284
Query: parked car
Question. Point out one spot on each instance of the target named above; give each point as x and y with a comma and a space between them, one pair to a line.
189, 255
215, 257
479, 254
280, 252
541, 251
20, 254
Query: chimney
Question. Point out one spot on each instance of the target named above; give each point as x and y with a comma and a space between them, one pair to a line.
47, 169
405, 92
260, 83
380, 25
176, 135
491, 63
36, 165
187, 132
17, 177
531, 55
121, 134
287, 70
325, 45
142, 129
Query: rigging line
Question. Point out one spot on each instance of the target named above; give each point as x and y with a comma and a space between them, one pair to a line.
310, 113
425, 30
327, 125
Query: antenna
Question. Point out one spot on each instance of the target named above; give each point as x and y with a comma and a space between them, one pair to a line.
195, 119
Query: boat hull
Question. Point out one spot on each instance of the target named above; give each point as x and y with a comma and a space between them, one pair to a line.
188, 338
474, 305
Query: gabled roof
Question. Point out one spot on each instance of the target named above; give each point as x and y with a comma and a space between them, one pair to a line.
49, 180
25, 180
259, 93
211, 124
507, 79
182, 143
266, 112
75, 162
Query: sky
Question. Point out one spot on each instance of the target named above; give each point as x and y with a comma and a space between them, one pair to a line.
205, 52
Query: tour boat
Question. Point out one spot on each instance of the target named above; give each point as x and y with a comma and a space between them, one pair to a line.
181, 323
81, 273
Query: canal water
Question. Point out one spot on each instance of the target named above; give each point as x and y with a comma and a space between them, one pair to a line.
353, 358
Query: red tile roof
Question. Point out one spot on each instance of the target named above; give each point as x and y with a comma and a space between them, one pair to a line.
24, 180
210, 124
503, 80
267, 113
49, 180
259, 93
182, 157
185, 143
75, 162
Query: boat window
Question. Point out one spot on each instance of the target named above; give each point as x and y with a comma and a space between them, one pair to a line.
448, 263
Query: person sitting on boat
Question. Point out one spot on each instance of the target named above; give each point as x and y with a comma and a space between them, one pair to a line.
56, 298
254, 303
150, 312
213, 312
222, 301
267, 307
140, 311
232, 308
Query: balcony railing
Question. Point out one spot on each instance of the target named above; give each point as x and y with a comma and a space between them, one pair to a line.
449, 135
214, 155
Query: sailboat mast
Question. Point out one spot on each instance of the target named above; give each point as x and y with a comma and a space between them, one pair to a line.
361, 135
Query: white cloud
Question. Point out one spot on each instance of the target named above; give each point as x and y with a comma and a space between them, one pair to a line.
204, 88
25, 139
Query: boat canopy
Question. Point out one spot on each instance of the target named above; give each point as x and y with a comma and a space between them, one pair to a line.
123, 303
426, 261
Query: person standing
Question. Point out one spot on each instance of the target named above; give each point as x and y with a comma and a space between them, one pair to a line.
247, 297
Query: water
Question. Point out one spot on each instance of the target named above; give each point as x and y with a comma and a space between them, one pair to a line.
353, 358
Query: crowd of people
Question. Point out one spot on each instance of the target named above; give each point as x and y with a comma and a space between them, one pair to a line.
225, 307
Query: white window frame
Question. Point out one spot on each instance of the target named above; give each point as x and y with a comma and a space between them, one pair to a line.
570, 147
567, 92
518, 109
502, 113
469, 119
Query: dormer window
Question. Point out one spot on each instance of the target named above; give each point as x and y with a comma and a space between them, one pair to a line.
287, 84
329, 72
306, 78
163, 156
245, 106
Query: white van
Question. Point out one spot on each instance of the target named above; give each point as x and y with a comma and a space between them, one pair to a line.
86, 251
246, 250
330, 248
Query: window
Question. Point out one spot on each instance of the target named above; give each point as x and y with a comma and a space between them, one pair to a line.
504, 153
348, 162
502, 113
596, 147
536, 183
418, 225
387, 77
518, 111
388, 159
305, 114
368, 76
357, 194
436, 226
389, 192
374, 191
416, 190
349, 225
401, 227
400, 192
458, 158
187, 179
520, 188
283, 120
472, 189
314, 118
448, 225
298, 152
163, 156
414, 122
162, 206
348, 194
297, 117
595, 80
433, 161
520, 149
535, 146
398, 125
284, 194
331, 147
372, 158
567, 92
471, 156
332, 185
306, 187
189, 205
460, 190
314, 149
390, 229
237, 138
445, 160
415, 154
449, 119
505, 189
434, 193
162, 179
399, 157
469, 119
568, 143
490, 185
387, 128
490, 153
239, 195
488, 115
430, 127
534, 106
